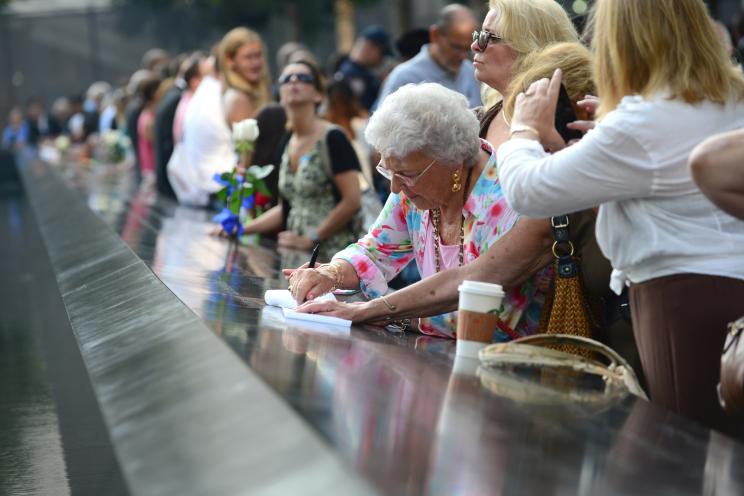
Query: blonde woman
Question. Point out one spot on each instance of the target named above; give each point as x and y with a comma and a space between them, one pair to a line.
664, 84
246, 82
233, 88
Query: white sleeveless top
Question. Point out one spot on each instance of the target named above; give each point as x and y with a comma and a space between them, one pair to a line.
207, 148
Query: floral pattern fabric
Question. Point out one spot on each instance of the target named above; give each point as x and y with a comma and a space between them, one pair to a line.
399, 235
309, 191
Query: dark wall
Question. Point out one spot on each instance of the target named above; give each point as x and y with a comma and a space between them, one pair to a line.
62, 53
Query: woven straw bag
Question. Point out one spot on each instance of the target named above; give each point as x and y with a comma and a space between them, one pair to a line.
566, 310
544, 352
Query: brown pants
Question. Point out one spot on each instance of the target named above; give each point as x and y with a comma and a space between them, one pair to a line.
680, 323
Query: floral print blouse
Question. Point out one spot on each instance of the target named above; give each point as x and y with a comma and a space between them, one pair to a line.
399, 235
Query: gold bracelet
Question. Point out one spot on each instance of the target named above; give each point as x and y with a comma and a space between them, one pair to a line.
337, 276
333, 274
390, 306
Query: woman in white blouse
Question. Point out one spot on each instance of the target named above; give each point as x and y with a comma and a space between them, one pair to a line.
664, 85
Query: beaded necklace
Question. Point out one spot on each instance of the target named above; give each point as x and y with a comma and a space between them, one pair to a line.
436, 216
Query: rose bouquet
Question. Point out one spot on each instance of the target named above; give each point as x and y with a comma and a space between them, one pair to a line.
244, 190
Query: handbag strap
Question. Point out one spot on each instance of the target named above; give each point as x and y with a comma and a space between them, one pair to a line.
735, 332
563, 248
325, 153
567, 304
531, 350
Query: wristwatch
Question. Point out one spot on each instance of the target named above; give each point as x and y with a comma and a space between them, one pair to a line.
398, 326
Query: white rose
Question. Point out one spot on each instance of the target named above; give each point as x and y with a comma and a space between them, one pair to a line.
245, 130
260, 172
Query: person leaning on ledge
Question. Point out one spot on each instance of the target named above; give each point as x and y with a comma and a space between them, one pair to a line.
516, 45
446, 209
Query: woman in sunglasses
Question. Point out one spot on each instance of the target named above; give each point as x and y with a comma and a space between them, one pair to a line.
318, 174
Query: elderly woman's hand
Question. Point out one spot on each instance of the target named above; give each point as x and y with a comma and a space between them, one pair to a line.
535, 109
308, 284
349, 311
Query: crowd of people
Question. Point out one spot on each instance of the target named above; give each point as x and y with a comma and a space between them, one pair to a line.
472, 165
646, 99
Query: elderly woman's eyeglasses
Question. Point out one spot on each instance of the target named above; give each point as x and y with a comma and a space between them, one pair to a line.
296, 76
407, 181
484, 38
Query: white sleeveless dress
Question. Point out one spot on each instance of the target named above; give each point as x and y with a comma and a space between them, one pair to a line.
206, 149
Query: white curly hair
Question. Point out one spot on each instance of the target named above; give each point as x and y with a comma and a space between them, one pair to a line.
426, 118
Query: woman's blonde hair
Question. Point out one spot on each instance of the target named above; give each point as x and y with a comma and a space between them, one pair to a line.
573, 58
228, 47
642, 48
530, 25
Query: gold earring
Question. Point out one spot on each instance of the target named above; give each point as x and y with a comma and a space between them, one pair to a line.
456, 184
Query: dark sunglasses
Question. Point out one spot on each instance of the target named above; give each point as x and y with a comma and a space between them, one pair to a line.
484, 38
296, 76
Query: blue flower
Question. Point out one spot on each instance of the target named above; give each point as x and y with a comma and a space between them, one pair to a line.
249, 201
230, 222
218, 178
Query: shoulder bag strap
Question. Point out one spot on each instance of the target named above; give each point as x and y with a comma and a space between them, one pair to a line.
325, 154
563, 248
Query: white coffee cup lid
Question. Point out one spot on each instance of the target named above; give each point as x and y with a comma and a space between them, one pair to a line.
482, 288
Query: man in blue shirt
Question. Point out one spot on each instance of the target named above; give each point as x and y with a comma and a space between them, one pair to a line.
368, 52
16, 133
444, 60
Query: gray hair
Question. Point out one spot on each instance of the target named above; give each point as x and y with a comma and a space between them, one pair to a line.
425, 118
452, 14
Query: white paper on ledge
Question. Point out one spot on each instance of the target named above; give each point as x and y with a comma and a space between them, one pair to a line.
283, 298
316, 318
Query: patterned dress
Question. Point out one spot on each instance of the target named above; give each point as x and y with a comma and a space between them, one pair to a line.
399, 235
309, 191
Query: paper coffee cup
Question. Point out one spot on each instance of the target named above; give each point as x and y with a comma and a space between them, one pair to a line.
477, 316
464, 364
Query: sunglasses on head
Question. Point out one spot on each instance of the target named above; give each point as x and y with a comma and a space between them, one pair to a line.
484, 38
296, 76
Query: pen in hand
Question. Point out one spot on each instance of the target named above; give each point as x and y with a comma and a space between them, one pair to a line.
314, 256
313, 259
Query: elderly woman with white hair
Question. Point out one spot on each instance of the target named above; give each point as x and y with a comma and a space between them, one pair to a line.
446, 208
